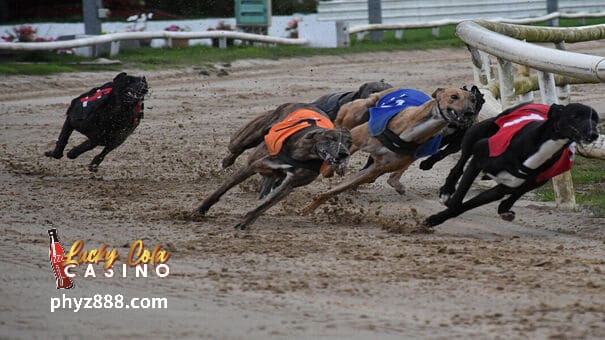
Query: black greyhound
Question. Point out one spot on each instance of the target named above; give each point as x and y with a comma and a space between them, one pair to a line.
520, 161
107, 115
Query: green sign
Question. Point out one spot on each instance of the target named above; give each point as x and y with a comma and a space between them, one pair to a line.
253, 12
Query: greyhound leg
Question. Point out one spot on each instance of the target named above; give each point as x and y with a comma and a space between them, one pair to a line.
364, 176
283, 190
446, 191
62, 141
485, 197
94, 165
504, 206
395, 181
428, 163
87, 145
239, 177
469, 175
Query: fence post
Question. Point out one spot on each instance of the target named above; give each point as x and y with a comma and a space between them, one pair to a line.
565, 90
562, 184
552, 6
114, 50
342, 35
92, 23
507, 86
528, 96
375, 17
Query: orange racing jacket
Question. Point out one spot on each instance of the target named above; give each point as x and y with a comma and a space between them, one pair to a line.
294, 122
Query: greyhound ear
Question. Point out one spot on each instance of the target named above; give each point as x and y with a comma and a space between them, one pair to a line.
437, 91
555, 110
311, 134
120, 76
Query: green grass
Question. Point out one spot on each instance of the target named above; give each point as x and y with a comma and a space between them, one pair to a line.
589, 183
42, 63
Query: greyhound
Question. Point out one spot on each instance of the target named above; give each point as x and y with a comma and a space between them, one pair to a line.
408, 132
107, 115
252, 133
521, 149
295, 150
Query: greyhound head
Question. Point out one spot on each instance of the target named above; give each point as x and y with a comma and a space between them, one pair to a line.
367, 89
130, 89
576, 122
458, 107
332, 146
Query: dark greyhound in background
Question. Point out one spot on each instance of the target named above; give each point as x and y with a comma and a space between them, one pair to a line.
107, 115
292, 160
521, 149
252, 133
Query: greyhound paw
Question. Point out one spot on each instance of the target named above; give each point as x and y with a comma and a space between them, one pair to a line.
93, 167
508, 216
53, 154
72, 155
425, 165
228, 160
444, 198
432, 221
397, 186
201, 211
241, 226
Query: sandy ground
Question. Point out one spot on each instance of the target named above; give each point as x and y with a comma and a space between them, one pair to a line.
341, 273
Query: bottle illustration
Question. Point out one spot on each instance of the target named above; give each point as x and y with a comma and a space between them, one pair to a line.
56, 261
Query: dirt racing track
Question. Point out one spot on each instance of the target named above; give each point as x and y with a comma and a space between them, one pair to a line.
354, 269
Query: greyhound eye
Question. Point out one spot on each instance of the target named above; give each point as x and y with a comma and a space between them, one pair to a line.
454, 97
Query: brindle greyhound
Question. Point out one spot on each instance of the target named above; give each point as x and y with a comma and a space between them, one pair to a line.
251, 134
303, 155
535, 149
414, 126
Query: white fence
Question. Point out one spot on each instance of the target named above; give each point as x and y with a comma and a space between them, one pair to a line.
115, 38
355, 12
511, 44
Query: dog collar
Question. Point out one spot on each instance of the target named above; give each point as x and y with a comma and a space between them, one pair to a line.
448, 121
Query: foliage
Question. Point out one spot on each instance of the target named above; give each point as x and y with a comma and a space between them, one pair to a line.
24, 33
589, 184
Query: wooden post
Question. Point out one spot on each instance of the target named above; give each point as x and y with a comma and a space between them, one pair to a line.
507, 86
562, 184
529, 95
564, 90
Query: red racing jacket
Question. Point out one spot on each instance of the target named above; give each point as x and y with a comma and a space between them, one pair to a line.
513, 122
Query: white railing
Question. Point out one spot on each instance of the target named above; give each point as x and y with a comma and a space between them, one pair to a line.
115, 38
504, 42
445, 22
355, 12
